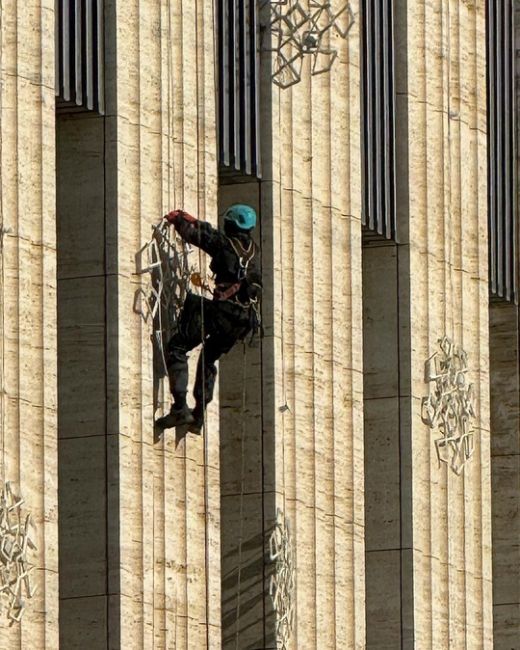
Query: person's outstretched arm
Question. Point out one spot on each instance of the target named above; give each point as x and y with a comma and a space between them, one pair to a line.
193, 231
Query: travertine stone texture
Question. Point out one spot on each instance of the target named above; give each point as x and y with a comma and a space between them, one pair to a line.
306, 459
28, 298
317, 341
162, 116
318, 348
505, 472
449, 519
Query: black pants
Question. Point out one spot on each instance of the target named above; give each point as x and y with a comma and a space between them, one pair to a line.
217, 324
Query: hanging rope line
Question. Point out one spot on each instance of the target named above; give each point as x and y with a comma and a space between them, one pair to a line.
166, 259
203, 271
242, 490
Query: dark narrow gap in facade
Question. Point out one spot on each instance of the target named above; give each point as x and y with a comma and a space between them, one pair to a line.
382, 416
82, 390
386, 328
241, 467
504, 359
247, 459
502, 23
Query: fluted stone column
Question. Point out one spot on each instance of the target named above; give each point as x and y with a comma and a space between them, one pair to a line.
151, 510
442, 533
304, 434
28, 299
164, 123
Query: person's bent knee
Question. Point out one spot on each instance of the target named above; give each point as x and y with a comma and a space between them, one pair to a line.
176, 355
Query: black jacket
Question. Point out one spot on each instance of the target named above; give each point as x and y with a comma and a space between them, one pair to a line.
235, 259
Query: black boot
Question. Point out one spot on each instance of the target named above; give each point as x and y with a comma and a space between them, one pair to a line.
175, 418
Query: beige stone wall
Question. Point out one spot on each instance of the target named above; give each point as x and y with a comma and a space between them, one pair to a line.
428, 530
307, 460
83, 450
140, 534
28, 298
160, 505
317, 341
450, 515
164, 123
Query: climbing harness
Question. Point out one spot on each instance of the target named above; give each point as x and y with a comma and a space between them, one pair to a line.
244, 255
226, 291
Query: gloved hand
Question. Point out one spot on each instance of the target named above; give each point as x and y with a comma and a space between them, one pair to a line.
172, 216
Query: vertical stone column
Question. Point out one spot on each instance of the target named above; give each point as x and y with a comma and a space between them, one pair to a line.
316, 338
246, 463
302, 447
28, 298
446, 520
164, 126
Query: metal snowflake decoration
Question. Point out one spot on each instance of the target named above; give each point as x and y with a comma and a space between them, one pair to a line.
166, 258
15, 542
449, 405
282, 585
300, 30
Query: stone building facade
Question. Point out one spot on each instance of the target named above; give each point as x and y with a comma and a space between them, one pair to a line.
357, 482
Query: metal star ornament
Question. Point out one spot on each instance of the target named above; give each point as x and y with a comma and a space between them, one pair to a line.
306, 29
16, 542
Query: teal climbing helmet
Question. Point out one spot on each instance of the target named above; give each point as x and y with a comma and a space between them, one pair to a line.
243, 216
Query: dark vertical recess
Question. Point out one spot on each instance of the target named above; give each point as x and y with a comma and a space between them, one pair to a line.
502, 184
79, 55
83, 481
504, 367
378, 115
88, 415
387, 379
382, 406
244, 100
238, 84
504, 323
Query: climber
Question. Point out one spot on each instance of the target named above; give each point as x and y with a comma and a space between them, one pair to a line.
217, 323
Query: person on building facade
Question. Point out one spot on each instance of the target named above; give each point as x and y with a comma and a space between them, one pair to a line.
218, 323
